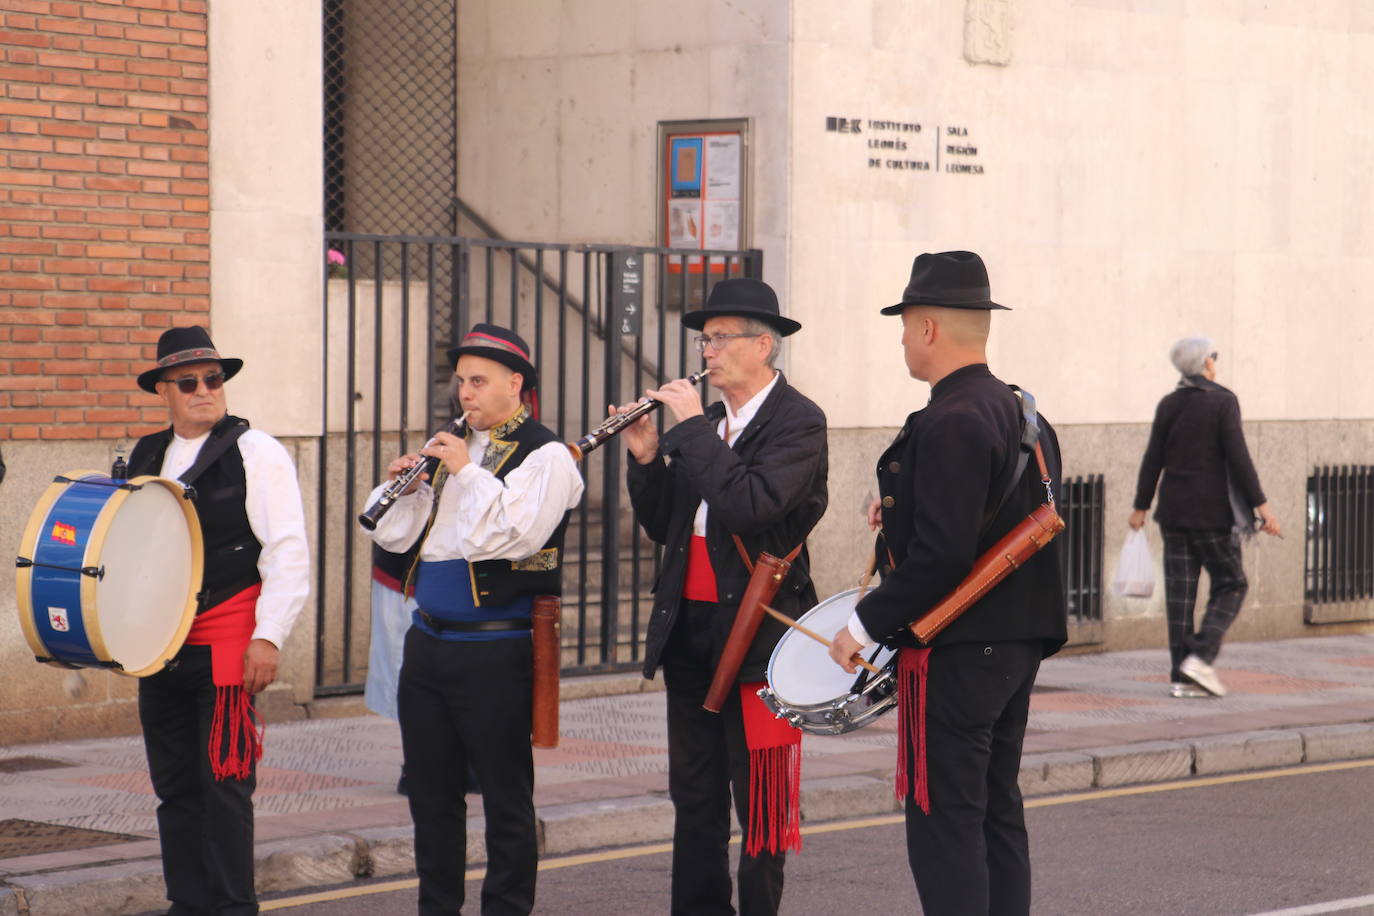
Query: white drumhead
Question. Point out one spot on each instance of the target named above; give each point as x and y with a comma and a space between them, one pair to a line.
147, 555
800, 671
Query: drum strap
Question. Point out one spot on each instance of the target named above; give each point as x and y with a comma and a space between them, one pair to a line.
213, 449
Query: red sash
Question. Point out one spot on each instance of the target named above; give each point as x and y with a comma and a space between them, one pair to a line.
700, 581
387, 580
912, 667
227, 628
774, 776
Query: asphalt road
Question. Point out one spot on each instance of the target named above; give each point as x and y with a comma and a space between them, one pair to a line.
1295, 842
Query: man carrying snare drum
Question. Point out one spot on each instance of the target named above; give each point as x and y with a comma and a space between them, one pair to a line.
950, 490
201, 733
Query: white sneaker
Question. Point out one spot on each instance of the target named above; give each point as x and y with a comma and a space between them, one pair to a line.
1202, 674
1184, 691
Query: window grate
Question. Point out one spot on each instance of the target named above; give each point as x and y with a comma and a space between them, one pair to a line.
1081, 505
1338, 564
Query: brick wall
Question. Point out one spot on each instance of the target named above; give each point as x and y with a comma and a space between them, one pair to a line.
104, 207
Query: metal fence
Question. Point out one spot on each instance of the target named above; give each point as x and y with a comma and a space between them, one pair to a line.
603, 326
1081, 503
1339, 550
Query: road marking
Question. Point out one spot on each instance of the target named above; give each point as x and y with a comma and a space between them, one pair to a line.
1332, 906
634, 852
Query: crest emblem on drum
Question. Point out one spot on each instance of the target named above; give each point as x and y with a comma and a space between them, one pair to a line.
64, 534
57, 619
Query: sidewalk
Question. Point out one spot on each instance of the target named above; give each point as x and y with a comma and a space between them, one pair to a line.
328, 812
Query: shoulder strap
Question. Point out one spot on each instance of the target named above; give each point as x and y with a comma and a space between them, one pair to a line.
214, 448
749, 564
1030, 442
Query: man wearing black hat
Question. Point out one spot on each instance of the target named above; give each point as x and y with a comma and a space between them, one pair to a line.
953, 482
256, 579
751, 466
492, 540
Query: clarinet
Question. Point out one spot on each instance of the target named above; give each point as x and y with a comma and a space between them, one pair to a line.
426, 465
614, 424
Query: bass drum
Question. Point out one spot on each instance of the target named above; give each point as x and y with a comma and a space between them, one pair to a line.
108, 573
809, 690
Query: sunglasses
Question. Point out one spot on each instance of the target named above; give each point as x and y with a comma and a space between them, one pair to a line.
187, 384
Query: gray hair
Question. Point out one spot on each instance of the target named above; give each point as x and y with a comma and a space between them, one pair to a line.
1190, 353
758, 326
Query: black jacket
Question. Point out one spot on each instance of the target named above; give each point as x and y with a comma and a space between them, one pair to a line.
939, 479
1197, 441
769, 489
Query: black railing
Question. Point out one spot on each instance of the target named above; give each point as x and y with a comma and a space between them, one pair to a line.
1339, 550
1081, 503
393, 307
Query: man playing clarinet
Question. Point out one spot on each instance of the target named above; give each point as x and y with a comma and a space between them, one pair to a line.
492, 525
740, 477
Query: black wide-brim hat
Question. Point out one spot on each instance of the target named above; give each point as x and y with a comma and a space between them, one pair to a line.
179, 346
744, 298
491, 341
949, 279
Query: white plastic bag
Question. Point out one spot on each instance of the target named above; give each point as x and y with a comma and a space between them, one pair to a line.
1135, 569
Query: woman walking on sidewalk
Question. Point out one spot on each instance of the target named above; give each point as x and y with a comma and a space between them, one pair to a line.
1207, 501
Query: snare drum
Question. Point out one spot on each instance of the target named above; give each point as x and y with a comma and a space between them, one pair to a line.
108, 573
808, 689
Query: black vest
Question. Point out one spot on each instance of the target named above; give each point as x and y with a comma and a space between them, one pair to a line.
500, 582
220, 496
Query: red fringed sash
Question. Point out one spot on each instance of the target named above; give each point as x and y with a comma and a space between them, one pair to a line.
227, 628
774, 776
912, 667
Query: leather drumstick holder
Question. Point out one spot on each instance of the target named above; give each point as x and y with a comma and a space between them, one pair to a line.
764, 581
1016, 547
547, 661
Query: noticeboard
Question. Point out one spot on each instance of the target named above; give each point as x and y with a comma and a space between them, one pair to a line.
703, 191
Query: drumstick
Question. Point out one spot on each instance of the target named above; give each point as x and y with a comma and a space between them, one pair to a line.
868, 574
817, 637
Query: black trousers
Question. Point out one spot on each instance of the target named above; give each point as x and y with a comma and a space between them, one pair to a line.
205, 825
707, 757
1187, 552
467, 703
970, 855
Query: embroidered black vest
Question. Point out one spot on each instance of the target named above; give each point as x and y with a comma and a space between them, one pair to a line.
499, 582
221, 493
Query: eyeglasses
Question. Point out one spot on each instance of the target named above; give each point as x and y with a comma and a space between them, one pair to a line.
187, 384
1212, 357
718, 341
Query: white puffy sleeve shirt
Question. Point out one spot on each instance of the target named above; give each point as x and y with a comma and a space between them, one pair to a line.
481, 517
276, 515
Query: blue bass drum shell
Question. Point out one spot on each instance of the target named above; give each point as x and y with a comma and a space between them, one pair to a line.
108, 573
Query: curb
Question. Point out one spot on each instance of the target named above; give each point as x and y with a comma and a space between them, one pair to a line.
337, 858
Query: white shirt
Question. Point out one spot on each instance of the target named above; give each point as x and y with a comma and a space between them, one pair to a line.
481, 517
736, 424
275, 514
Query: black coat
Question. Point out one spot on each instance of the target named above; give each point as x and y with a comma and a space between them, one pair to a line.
1198, 443
938, 480
769, 489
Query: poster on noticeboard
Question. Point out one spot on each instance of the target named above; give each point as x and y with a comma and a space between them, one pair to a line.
703, 195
